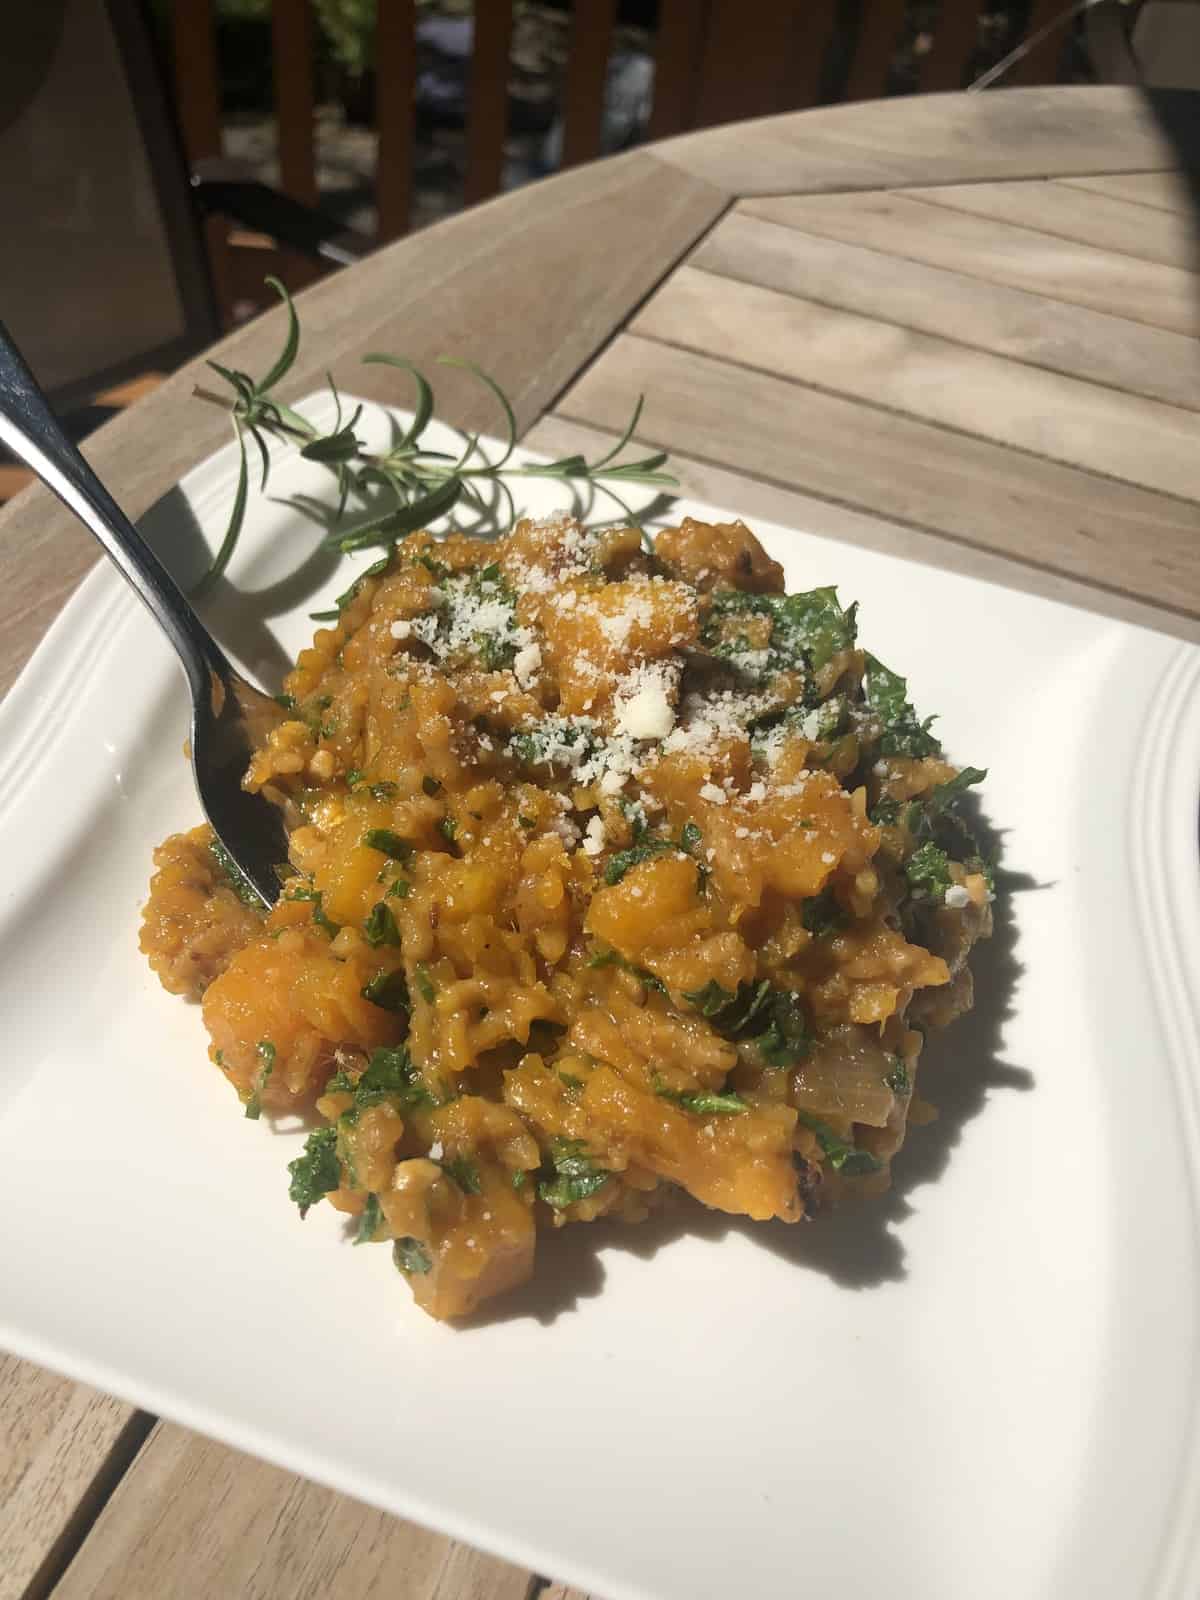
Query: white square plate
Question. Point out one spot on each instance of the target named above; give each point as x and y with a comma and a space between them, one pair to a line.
984, 1386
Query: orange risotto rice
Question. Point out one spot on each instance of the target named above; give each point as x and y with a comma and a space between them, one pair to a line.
613, 873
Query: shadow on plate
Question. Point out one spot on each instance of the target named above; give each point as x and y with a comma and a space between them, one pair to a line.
858, 1247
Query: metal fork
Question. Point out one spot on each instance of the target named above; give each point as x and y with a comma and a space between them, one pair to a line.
230, 717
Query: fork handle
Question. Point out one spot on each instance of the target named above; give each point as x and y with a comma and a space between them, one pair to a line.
31, 431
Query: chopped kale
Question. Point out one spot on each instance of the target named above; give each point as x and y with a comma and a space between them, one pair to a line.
315, 1172
613, 958
380, 927
354, 777
821, 914
807, 631
903, 733
368, 1223
383, 791
644, 850
400, 888
390, 1074
265, 1051
555, 742
388, 990
703, 1102
287, 701
430, 785
233, 875
574, 1174
896, 1078
773, 1019
391, 844
518, 1179
307, 892
928, 872
411, 1257
464, 1172
841, 1156
424, 983
945, 795
448, 828
527, 822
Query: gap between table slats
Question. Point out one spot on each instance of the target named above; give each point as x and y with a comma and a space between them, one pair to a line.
1059, 269
1110, 223
758, 499
191, 1517
1048, 516
972, 392
1017, 323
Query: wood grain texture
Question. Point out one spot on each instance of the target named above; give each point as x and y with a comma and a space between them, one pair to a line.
1110, 534
926, 139
919, 375
1164, 191
756, 499
57, 1438
191, 1518
395, 87
592, 24
987, 316
473, 286
1059, 269
1102, 220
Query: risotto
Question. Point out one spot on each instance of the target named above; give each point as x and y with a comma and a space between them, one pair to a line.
614, 873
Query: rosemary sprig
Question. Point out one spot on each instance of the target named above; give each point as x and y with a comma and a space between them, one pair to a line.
407, 486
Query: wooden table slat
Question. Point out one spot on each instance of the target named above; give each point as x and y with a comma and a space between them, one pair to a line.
756, 499
1060, 269
1111, 534
1106, 221
986, 316
1162, 191
60, 1445
921, 375
192, 1517
952, 138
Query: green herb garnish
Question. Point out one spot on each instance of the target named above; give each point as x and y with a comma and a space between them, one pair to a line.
430, 785
390, 844
928, 872
613, 958
424, 983
233, 875
702, 1102
821, 914
380, 927
897, 1079
388, 990
448, 828
409, 484
411, 1257
574, 1174
772, 1019
842, 1156
315, 1172
307, 892
265, 1051
807, 631
904, 734
368, 1222
464, 1172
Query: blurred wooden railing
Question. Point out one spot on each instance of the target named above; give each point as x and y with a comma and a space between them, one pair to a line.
716, 61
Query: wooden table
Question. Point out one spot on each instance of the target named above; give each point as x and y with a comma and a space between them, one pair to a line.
962, 328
